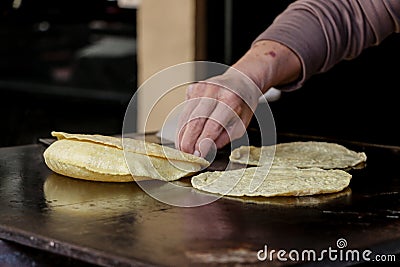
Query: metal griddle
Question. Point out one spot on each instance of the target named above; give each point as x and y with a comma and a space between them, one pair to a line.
119, 225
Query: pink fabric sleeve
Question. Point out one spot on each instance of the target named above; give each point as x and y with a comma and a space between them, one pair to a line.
324, 32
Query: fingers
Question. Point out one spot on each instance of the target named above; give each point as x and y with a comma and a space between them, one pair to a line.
193, 122
222, 139
189, 106
224, 124
194, 115
193, 96
222, 116
228, 134
214, 114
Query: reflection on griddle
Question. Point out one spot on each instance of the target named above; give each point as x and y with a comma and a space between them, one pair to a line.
87, 197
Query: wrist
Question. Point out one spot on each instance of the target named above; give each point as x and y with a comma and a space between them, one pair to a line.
269, 64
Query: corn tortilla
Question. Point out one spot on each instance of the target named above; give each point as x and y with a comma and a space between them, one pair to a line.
102, 158
306, 154
276, 181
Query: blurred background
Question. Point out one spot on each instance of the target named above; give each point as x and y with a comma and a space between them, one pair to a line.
65, 65
70, 65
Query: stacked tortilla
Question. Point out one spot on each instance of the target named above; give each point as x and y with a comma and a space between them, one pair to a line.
111, 159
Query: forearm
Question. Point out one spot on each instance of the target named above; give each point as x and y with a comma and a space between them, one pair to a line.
323, 32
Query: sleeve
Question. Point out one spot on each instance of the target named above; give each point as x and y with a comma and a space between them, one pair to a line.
324, 32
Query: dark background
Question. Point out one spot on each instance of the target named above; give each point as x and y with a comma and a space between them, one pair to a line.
356, 100
48, 79
45, 85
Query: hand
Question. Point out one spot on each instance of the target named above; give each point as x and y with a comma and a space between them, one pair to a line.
217, 111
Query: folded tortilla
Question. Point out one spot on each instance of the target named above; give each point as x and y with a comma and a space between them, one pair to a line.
111, 159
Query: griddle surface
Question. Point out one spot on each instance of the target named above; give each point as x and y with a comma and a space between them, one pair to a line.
119, 225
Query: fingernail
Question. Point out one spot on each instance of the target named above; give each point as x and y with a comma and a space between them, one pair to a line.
196, 153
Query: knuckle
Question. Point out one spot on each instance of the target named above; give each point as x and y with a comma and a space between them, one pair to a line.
193, 91
213, 127
195, 124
